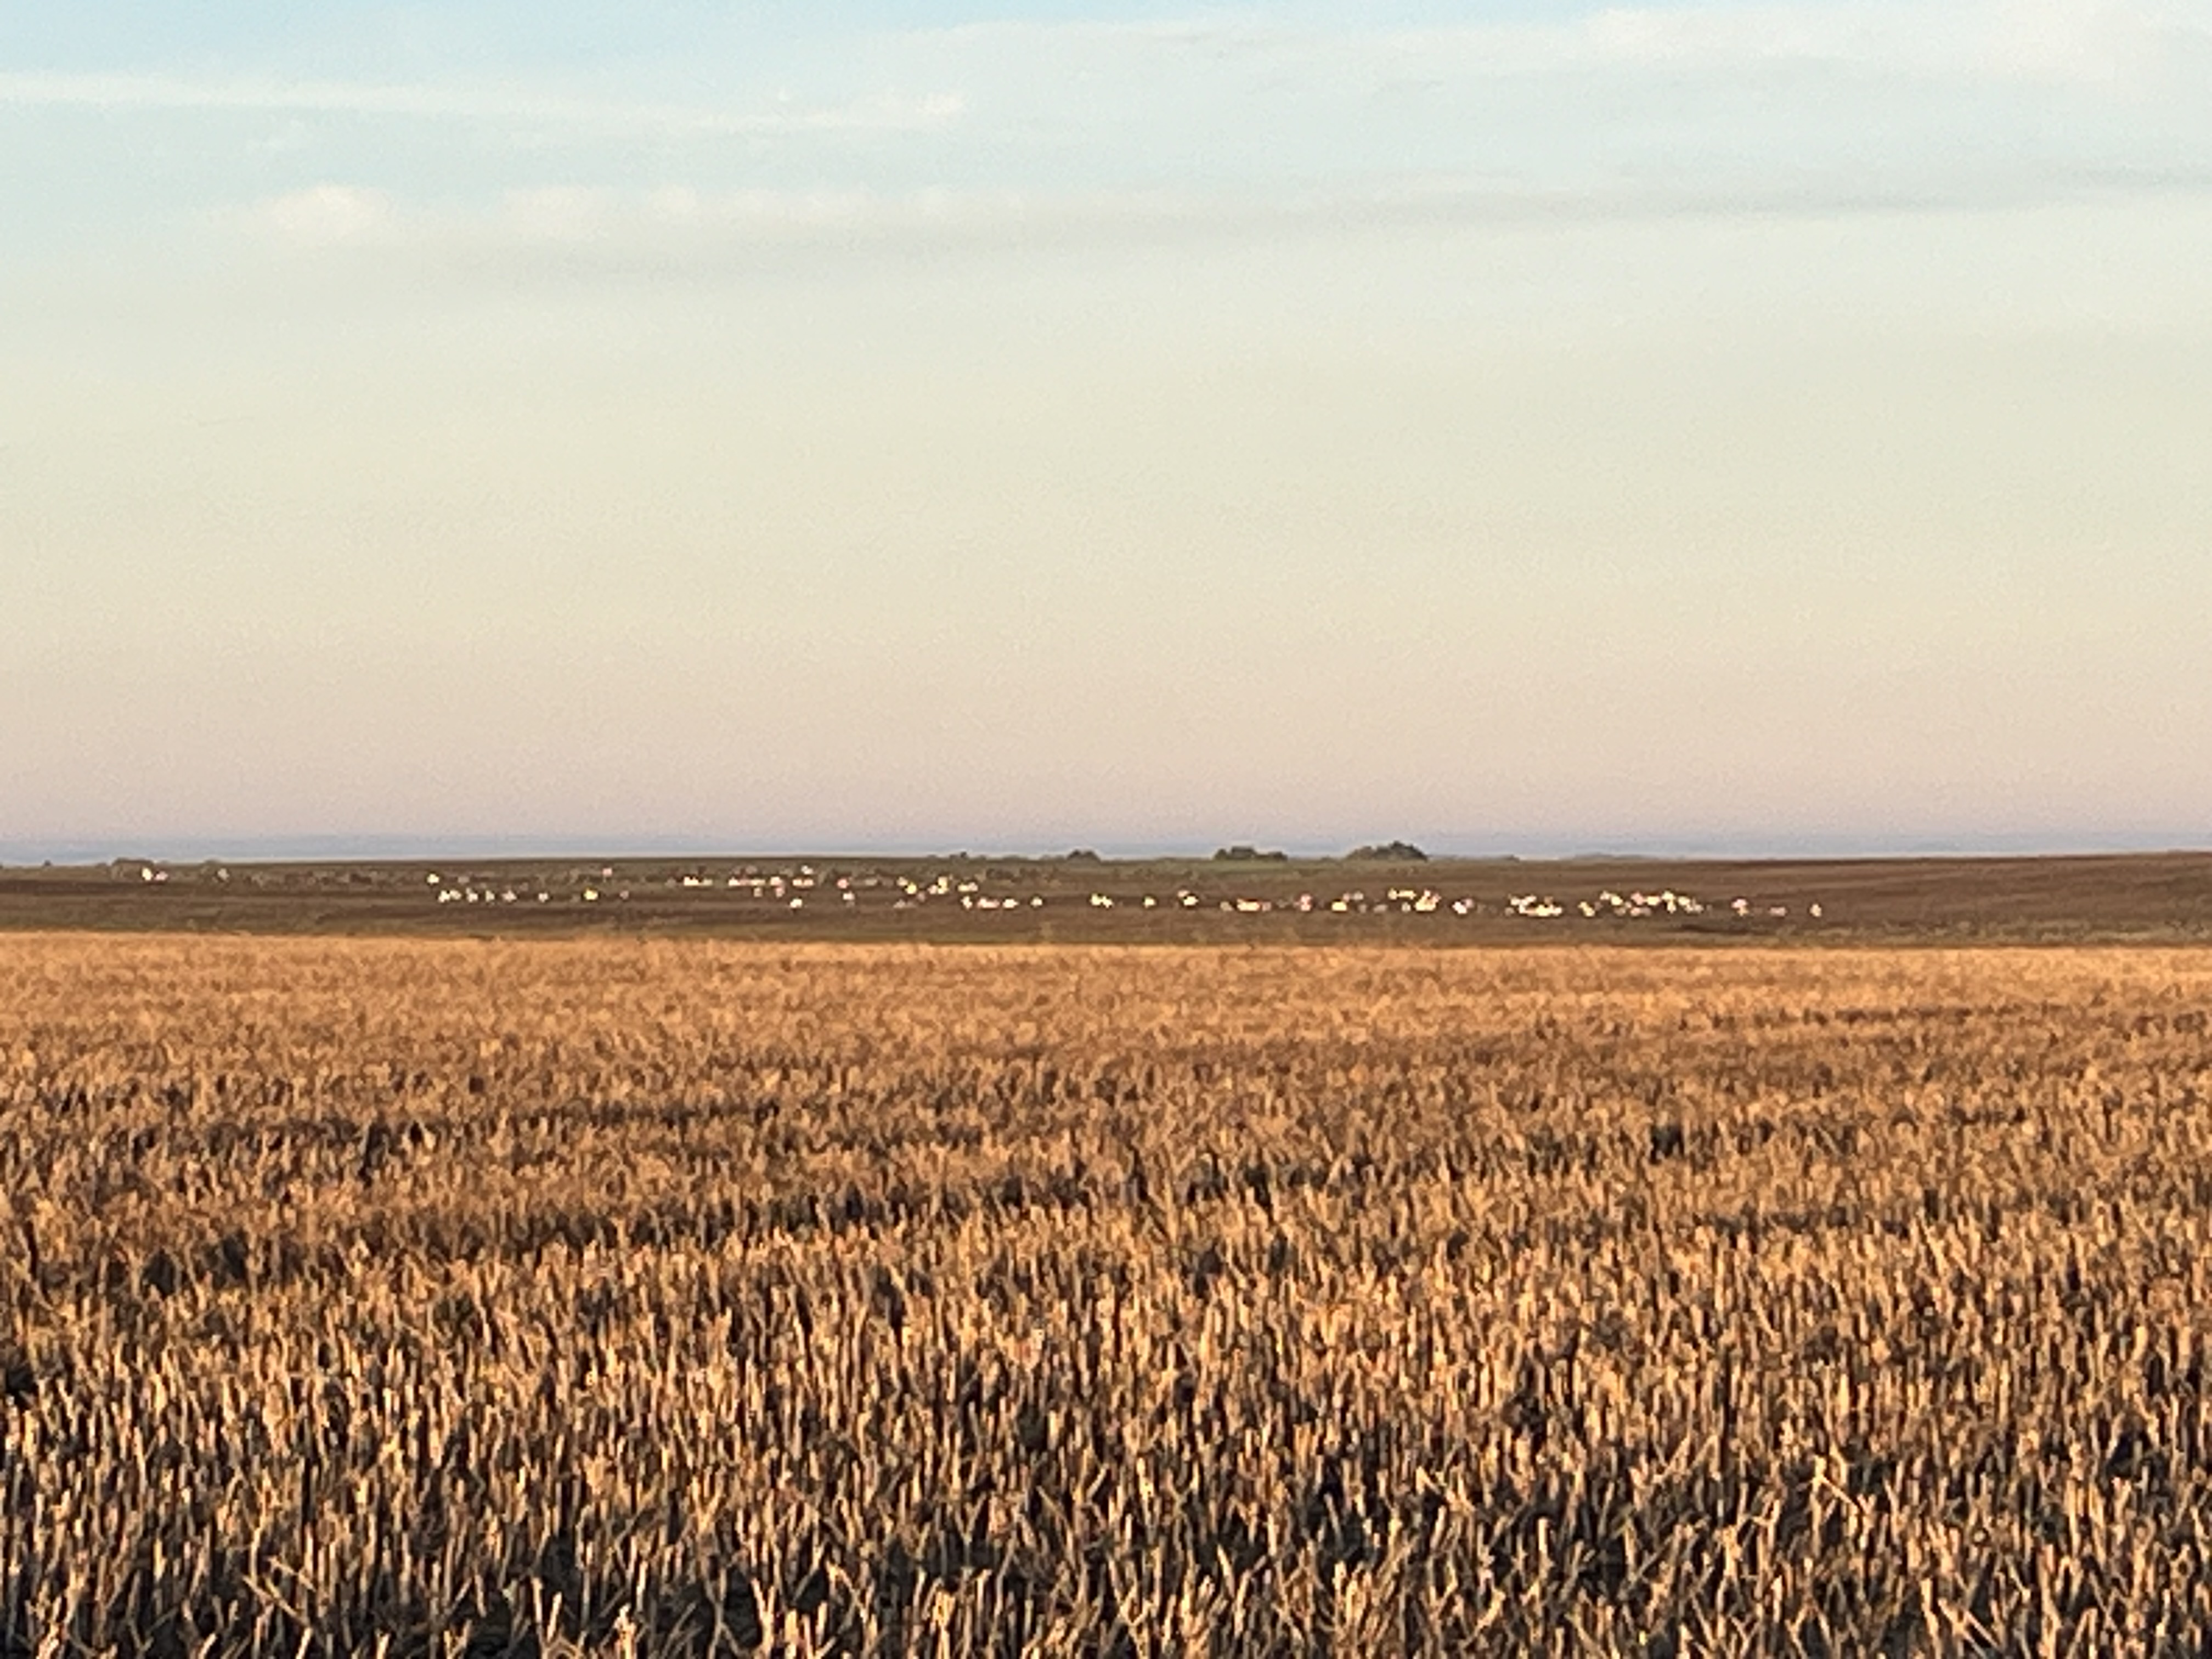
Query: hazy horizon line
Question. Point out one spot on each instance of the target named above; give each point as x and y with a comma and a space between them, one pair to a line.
340, 848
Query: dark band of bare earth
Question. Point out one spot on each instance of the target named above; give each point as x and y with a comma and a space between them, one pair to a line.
2153, 897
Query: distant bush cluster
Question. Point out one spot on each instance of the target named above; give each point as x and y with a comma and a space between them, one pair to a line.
1394, 852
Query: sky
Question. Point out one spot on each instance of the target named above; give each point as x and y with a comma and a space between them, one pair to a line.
1518, 427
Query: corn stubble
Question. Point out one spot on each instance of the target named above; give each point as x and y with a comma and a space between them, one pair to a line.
690, 1298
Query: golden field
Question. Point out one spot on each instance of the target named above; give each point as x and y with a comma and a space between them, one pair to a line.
664, 1296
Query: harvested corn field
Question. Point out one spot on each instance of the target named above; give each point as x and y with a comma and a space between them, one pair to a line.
690, 1297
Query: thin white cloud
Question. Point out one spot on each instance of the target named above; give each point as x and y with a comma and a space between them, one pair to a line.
2080, 40
1079, 131
681, 224
2111, 42
55, 90
678, 229
330, 215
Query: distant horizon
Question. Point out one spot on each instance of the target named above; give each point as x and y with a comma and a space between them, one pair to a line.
368, 849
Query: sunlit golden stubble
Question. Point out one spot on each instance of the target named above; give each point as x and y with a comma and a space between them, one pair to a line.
680, 1297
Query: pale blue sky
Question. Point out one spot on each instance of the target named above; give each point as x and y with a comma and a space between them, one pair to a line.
1519, 427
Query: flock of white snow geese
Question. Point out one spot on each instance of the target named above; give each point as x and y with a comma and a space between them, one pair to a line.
805, 887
